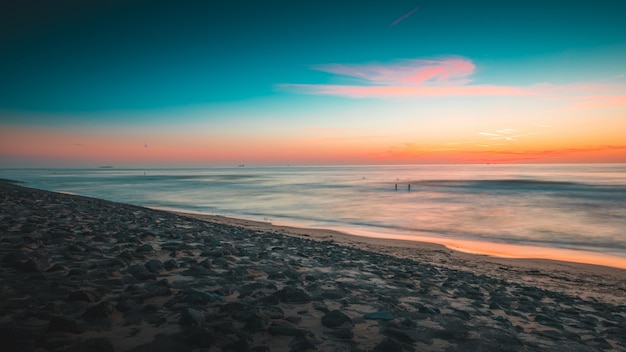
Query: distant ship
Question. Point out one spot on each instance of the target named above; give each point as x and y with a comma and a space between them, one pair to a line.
105, 167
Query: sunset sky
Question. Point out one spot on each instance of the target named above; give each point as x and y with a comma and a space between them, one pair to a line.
208, 83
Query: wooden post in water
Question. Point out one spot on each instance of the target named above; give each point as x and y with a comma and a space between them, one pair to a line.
396, 186
409, 187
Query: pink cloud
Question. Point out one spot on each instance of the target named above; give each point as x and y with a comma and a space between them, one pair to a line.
449, 77
452, 71
406, 78
405, 91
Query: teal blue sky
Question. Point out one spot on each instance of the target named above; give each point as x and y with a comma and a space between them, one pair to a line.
287, 68
117, 55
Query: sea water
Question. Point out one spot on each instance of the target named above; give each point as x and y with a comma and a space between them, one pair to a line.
566, 206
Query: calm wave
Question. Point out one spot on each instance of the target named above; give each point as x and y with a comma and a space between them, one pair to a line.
560, 206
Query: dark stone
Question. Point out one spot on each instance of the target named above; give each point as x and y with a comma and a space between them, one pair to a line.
281, 330
126, 306
83, 296
262, 348
200, 338
99, 311
399, 335
170, 264
255, 323
56, 267
64, 324
215, 253
273, 312
291, 294
501, 337
195, 296
76, 272
428, 310
154, 265
549, 334
36, 265
15, 258
165, 343
145, 248
294, 320
341, 333
382, 315
126, 255
388, 345
332, 294
599, 343
192, 317
141, 273
454, 329
240, 345
196, 271
301, 344
335, 319
99, 344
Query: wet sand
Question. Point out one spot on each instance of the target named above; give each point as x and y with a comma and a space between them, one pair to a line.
84, 274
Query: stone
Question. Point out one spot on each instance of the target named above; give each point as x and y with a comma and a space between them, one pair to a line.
341, 333
301, 344
282, 330
36, 265
144, 248
291, 294
140, 272
201, 338
170, 264
64, 324
388, 345
195, 296
99, 311
335, 318
83, 296
192, 317
380, 315
154, 265
98, 344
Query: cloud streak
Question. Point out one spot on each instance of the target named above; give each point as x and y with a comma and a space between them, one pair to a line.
404, 17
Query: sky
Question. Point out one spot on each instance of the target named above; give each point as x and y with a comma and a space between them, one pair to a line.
221, 83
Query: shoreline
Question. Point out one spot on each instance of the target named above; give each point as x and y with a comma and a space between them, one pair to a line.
86, 274
470, 247
519, 269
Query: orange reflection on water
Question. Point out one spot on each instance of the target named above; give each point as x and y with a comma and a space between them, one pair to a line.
506, 250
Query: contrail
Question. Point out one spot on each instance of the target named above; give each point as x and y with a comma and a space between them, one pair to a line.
404, 17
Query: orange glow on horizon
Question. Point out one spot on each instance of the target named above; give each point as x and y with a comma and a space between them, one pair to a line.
198, 148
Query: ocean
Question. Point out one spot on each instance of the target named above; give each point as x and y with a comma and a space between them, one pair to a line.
580, 208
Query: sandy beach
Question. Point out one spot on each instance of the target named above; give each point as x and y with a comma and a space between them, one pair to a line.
84, 274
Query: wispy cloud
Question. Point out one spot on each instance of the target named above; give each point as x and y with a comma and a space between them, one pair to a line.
405, 78
449, 77
404, 91
404, 17
444, 72
411, 150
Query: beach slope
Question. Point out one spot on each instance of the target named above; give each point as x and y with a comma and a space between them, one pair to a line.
84, 274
